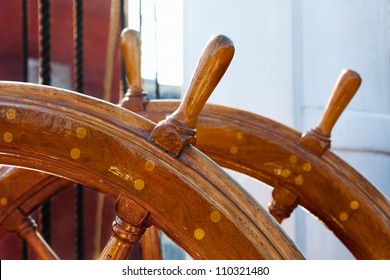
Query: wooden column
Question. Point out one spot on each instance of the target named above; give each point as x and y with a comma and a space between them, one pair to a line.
318, 139
128, 228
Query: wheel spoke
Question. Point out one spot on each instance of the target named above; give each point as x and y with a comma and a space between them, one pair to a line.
151, 245
26, 228
128, 228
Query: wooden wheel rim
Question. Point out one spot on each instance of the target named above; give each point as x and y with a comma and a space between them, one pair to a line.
269, 151
43, 133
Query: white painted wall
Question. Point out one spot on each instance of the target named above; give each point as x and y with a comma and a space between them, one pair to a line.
289, 54
261, 62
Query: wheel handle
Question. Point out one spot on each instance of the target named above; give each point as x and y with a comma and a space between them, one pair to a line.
178, 130
318, 140
135, 98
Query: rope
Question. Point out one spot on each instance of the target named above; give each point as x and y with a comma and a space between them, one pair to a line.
78, 45
45, 79
25, 79
79, 234
25, 39
79, 87
44, 43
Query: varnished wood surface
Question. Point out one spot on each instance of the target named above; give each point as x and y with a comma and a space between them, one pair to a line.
128, 228
333, 194
318, 139
329, 200
212, 65
259, 154
270, 152
26, 228
131, 51
326, 186
107, 145
135, 97
135, 100
178, 130
325, 191
343, 92
150, 245
26, 189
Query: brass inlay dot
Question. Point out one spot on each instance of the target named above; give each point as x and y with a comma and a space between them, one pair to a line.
139, 184
278, 171
343, 216
293, 159
75, 153
3, 201
233, 150
298, 180
81, 132
199, 233
286, 173
215, 216
354, 205
8, 137
11, 114
149, 165
239, 135
307, 166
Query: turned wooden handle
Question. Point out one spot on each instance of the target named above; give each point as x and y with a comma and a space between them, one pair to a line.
27, 230
343, 91
39, 245
130, 211
131, 49
212, 64
128, 228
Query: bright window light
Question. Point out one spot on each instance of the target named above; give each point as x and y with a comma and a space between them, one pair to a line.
162, 39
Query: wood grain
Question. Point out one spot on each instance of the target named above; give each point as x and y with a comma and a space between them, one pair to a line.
178, 130
318, 139
112, 156
135, 97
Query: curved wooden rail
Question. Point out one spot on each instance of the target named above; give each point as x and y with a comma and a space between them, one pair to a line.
326, 186
301, 168
58, 132
349, 205
299, 172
